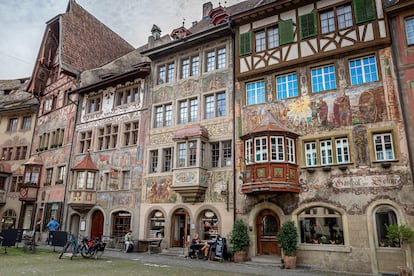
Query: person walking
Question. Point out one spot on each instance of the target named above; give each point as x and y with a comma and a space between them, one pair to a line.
37, 230
53, 225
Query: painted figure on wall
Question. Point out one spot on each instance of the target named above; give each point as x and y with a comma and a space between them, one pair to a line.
160, 191
367, 107
323, 112
342, 110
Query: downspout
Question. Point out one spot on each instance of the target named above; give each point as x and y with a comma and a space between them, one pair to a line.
65, 207
233, 102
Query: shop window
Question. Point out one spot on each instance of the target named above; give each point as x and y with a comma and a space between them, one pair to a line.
121, 223
157, 225
384, 216
321, 225
209, 225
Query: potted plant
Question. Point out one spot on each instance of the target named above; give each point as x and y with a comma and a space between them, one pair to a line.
288, 240
239, 238
401, 235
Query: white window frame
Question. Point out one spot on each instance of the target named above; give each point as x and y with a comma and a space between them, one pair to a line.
255, 92
261, 149
383, 146
311, 154
163, 115
363, 67
277, 148
323, 78
409, 30
326, 152
290, 150
287, 86
342, 150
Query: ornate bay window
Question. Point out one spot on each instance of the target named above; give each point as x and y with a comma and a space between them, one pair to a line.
269, 159
190, 172
82, 195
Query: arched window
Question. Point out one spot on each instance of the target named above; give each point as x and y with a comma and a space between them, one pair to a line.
384, 215
208, 225
321, 225
121, 223
157, 224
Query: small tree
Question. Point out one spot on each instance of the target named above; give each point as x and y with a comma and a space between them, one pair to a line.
400, 234
288, 238
239, 237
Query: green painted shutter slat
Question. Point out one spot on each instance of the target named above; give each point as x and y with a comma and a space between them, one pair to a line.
245, 43
364, 10
308, 26
286, 34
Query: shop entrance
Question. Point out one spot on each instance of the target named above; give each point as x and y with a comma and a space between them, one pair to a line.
97, 225
180, 228
267, 226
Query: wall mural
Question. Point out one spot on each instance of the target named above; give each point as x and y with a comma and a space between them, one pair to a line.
219, 185
326, 111
158, 190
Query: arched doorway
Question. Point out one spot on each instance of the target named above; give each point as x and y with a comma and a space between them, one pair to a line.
267, 226
97, 225
180, 228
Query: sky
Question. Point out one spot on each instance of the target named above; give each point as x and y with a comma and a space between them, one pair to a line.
23, 22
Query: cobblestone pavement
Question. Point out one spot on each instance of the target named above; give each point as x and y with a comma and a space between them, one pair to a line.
252, 268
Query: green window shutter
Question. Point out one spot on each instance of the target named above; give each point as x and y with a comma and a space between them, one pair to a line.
308, 27
364, 10
286, 33
245, 43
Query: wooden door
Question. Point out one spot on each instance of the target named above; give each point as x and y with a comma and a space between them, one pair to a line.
97, 225
179, 229
267, 226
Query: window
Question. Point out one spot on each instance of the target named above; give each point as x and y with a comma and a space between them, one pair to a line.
221, 153
161, 74
3, 183
185, 68
7, 153
267, 39
323, 78
308, 27
127, 95
167, 160
363, 70
170, 72
385, 216
195, 66
342, 150
107, 137
277, 148
287, 86
49, 104
153, 161
94, 105
131, 133
215, 105
85, 139
163, 116
338, 18
409, 30
290, 145
188, 111
12, 124
321, 225
31, 174
260, 149
329, 150
126, 180
215, 59
249, 151
187, 154
61, 175
89, 180
27, 120
49, 175
21, 152
326, 152
85, 180
310, 153
14, 187
383, 147
255, 93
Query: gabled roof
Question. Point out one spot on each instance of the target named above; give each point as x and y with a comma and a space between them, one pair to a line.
86, 164
75, 41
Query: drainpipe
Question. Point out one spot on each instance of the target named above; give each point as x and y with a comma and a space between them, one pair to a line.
65, 207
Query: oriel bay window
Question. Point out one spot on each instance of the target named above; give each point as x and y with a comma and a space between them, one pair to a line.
187, 154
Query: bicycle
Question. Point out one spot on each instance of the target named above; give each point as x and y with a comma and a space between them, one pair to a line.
87, 248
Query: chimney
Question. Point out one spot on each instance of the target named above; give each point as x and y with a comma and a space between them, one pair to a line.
207, 7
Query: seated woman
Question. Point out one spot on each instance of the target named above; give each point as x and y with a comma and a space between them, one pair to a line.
197, 246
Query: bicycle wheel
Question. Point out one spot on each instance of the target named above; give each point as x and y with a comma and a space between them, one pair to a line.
86, 253
64, 249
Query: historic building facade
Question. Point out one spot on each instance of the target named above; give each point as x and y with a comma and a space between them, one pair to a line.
188, 183
17, 120
65, 52
321, 140
104, 188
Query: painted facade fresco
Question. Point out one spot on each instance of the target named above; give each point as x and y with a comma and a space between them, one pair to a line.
159, 190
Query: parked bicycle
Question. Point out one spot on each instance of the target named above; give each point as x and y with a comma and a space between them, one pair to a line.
87, 248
